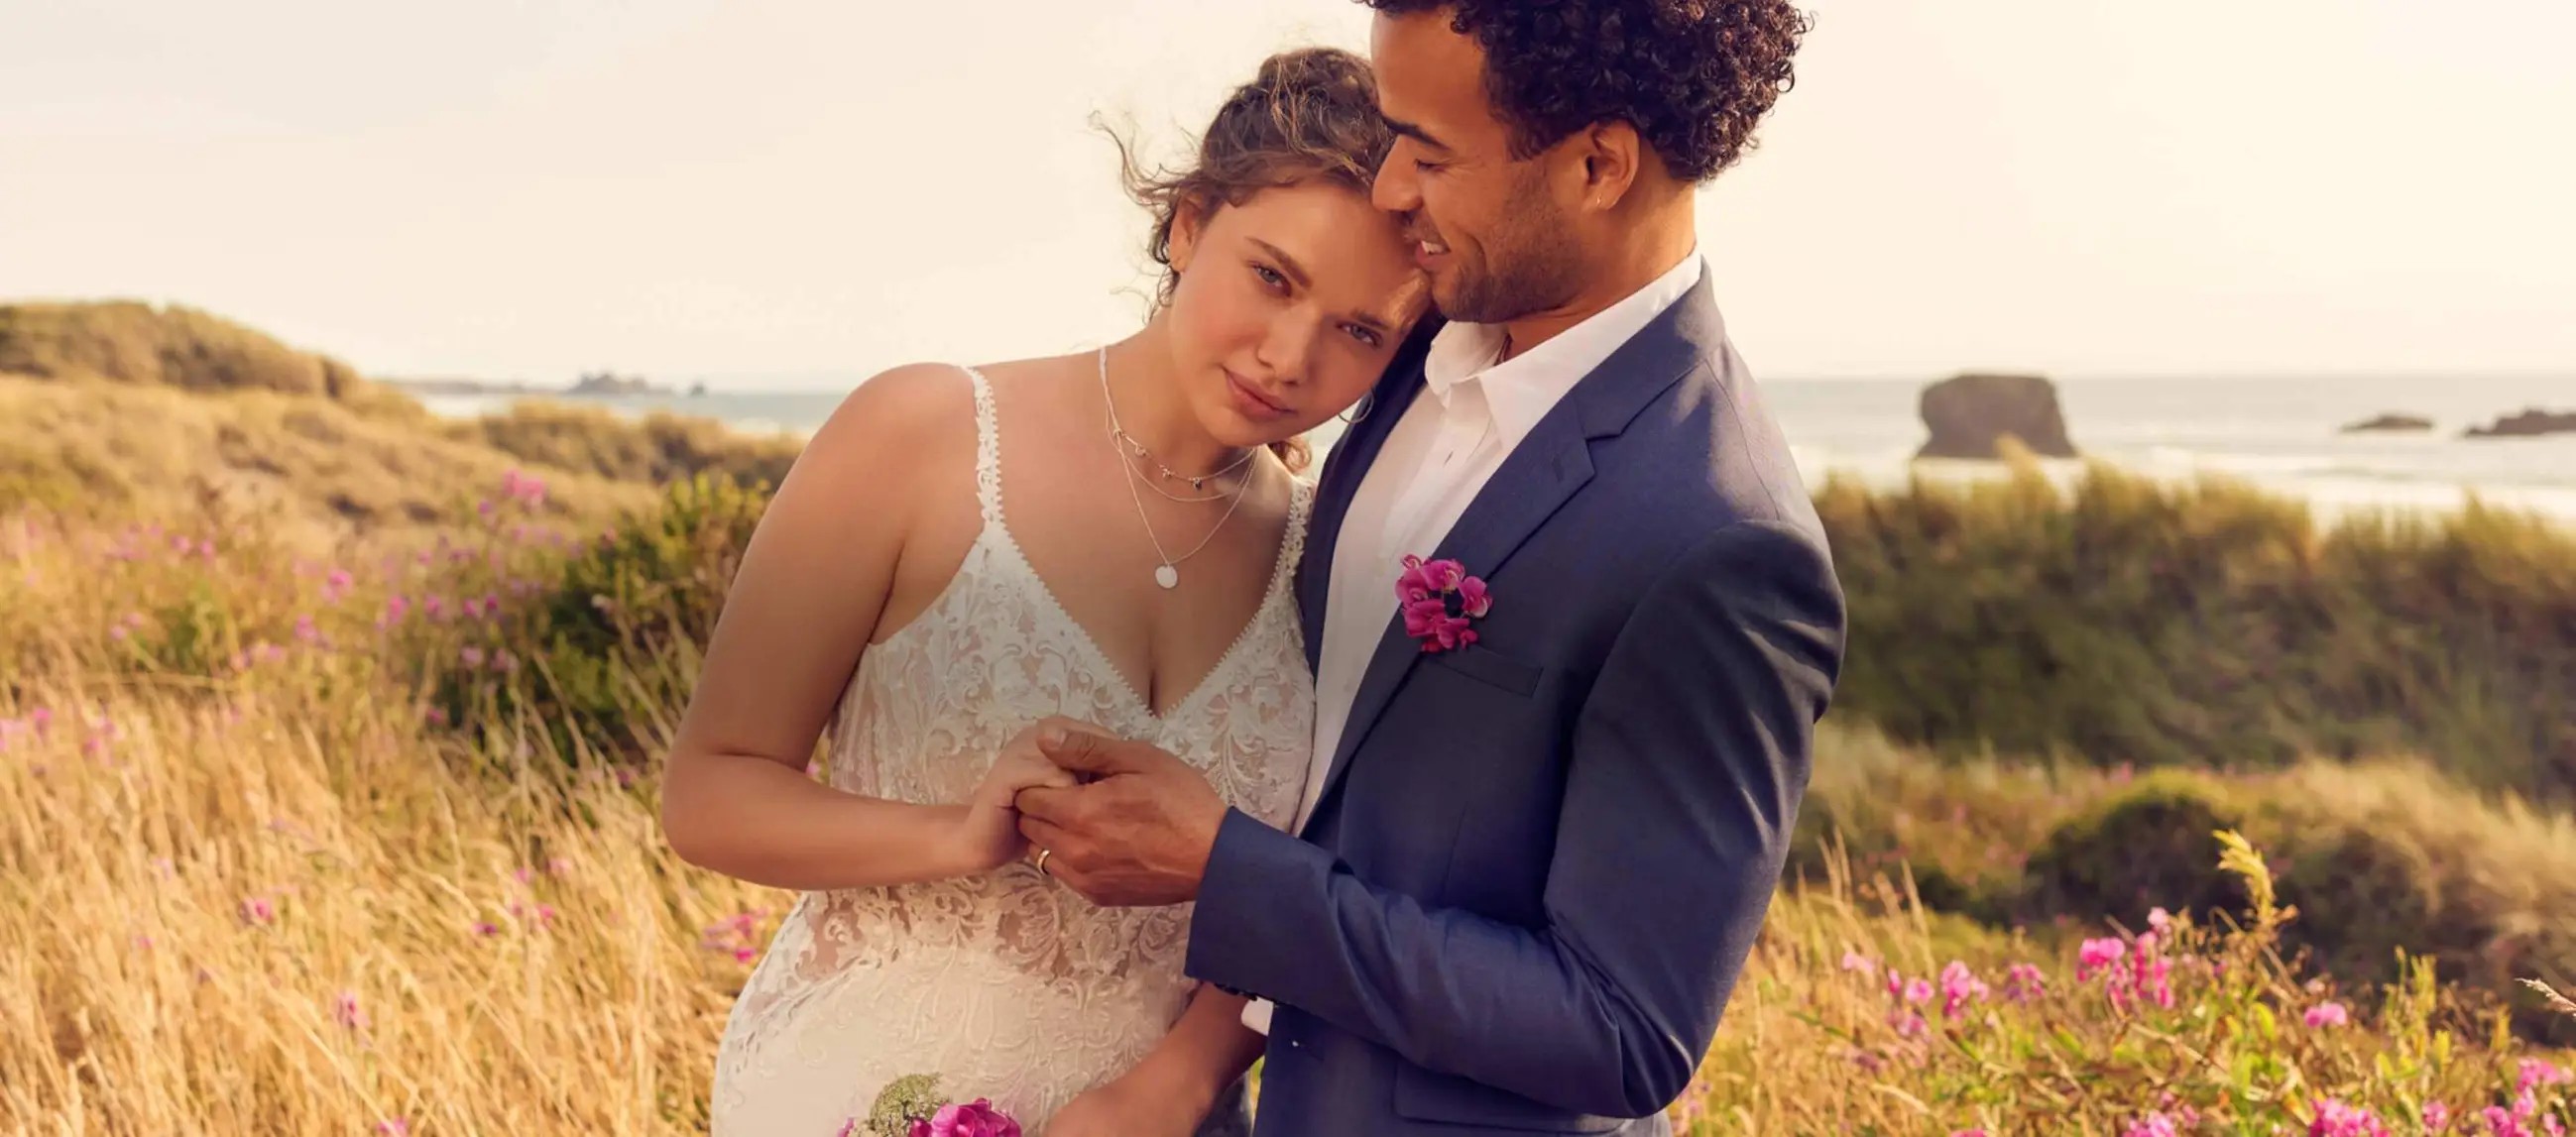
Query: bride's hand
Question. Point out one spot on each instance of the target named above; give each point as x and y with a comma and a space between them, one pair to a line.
990, 835
1124, 1107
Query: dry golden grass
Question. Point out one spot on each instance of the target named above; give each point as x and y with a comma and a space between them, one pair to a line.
96, 450
271, 910
267, 895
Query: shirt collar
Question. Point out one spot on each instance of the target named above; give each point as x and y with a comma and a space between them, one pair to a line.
1521, 390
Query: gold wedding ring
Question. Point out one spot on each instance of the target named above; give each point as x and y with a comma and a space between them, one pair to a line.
1043, 854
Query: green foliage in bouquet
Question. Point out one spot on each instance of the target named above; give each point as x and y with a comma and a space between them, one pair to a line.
913, 1097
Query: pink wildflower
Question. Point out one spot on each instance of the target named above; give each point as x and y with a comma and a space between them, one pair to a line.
2098, 955
257, 910
2152, 1125
471, 656
2335, 1119
2536, 1072
2151, 977
2327, 1014
1856, 962
1959, 987
346, 1012
2437, 1117
394, 1127
2024, 982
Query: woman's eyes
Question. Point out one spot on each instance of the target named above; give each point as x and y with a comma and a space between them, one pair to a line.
1368, 337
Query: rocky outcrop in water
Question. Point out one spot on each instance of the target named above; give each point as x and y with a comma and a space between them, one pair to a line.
2529, 424
2390, 423
1969, 415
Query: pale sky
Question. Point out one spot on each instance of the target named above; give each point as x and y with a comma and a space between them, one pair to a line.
773, 189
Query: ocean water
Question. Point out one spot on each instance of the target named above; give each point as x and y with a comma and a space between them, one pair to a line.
2279, 433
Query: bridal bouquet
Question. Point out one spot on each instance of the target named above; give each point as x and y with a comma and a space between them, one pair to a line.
912, 1106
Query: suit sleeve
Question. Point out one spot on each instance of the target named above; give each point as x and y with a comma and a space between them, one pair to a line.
1689, 760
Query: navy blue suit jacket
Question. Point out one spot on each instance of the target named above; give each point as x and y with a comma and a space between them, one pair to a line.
1539, 861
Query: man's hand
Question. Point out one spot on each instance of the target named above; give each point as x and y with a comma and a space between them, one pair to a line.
1137, 833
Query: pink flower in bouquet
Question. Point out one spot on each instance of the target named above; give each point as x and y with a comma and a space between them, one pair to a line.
974, 1119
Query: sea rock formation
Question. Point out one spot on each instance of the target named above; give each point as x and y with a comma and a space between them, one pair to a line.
1970, 414
2390, 423
2529, 424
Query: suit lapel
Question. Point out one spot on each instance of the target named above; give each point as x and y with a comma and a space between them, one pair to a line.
1534, 481
1343, 471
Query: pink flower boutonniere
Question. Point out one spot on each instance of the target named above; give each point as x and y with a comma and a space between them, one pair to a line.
1439, 601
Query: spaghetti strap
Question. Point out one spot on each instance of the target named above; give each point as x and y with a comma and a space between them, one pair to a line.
988, 451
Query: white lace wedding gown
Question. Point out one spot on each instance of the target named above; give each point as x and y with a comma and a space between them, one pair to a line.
1008, 985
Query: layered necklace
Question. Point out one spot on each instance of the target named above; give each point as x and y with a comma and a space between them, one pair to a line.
1167, 570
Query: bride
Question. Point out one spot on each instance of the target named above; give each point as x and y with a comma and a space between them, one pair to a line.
962, 552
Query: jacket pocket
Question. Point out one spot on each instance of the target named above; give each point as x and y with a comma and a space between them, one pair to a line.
1476, 661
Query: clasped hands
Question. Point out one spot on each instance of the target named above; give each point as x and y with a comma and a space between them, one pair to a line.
1123, 823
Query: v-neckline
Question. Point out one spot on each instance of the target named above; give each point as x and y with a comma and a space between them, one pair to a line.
1299, 497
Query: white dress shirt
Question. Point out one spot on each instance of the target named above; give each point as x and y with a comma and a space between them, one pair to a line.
1474, 412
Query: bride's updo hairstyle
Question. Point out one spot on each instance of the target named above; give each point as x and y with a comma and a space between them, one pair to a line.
1310, 114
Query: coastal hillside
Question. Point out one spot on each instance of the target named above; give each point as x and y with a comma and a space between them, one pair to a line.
134, 409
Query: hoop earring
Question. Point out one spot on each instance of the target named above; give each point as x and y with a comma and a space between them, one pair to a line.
1367, 403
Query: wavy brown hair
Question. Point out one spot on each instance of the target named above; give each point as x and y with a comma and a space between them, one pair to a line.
1309, 114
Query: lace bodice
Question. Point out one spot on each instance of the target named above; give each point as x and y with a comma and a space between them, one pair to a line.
1008, 984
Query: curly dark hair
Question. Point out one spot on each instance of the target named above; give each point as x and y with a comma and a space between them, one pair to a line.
1693, 76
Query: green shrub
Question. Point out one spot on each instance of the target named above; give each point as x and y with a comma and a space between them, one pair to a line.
611, 648
2148, 845
2207, 625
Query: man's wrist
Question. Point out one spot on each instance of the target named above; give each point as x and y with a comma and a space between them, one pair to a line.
1203, 846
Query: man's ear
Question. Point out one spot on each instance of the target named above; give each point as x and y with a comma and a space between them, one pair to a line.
1613, 159
1189, 223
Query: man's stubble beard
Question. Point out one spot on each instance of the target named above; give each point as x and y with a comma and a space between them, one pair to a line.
1531, 264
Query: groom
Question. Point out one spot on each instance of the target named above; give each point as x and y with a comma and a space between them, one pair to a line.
1530, 861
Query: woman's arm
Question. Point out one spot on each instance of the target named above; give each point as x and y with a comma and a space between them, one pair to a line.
803, 604
1170, 1092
